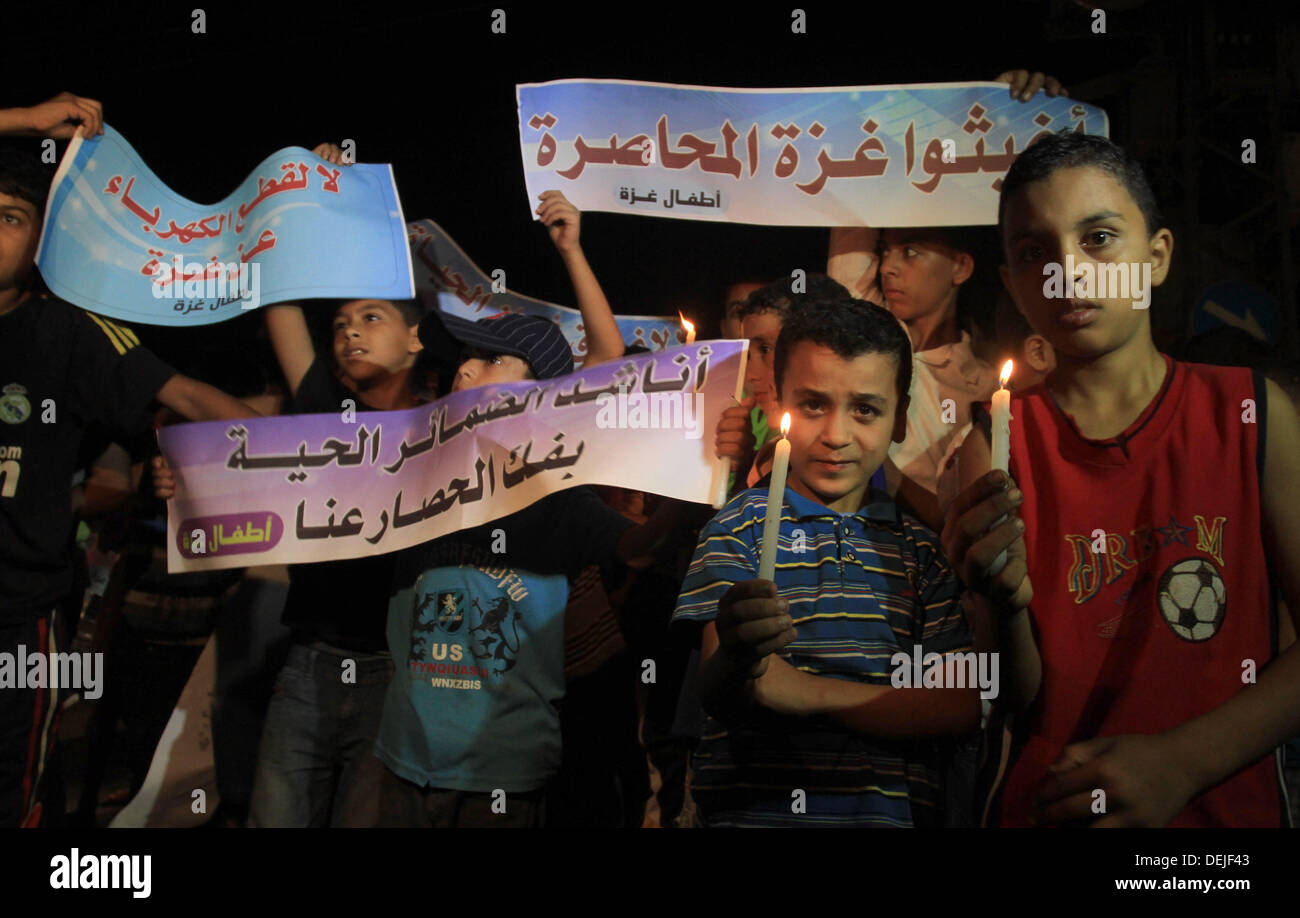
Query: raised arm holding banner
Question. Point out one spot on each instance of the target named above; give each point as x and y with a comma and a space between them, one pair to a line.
119, 242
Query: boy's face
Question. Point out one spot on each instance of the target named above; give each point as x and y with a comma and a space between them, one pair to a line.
372, 340
918, 276
844, 413
1085, 213
20, 233
483, 369
762, 329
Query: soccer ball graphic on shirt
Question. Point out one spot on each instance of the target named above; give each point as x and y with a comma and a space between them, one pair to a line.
1193, 599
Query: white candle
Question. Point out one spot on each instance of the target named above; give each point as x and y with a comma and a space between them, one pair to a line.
724, 465
721, 483
689, 326
1001, 444
775, 500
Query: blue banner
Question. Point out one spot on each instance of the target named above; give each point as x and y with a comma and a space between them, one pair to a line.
119, 242
885, 156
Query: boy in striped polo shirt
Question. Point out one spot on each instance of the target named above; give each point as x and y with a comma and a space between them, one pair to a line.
805, 723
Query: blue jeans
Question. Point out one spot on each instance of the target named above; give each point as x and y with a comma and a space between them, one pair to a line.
316, 765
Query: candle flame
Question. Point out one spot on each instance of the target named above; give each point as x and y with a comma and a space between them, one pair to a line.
785, 423
1006, 373
686, 323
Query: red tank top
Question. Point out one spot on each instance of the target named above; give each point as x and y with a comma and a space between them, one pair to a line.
1153, 631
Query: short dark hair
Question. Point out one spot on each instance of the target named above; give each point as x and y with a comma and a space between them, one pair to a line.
969, 239
778, 296
723, 286
412, 311
848, 327
22, 174
1068, 150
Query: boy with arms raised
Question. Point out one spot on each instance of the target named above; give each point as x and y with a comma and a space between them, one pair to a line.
314, 762
1142, 669
62, 371
796, 675
314, 767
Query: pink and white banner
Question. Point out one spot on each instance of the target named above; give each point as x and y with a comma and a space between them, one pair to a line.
323, 487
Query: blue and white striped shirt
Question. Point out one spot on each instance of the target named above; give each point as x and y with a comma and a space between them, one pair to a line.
862, 586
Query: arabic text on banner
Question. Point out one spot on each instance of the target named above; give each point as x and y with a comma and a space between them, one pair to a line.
119, 242
446, 277
915, 155
322, 487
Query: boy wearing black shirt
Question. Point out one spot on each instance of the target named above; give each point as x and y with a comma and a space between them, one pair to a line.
314, 766
61, 370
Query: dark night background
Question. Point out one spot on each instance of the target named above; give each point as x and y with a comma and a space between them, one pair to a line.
431, 89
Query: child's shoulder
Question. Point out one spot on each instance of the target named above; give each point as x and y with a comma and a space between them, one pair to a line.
66, 322
1204, 392
50, 315
741, 511
1211, 374
748, 501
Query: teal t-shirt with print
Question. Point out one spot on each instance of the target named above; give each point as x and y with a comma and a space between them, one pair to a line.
479, 657
477, 638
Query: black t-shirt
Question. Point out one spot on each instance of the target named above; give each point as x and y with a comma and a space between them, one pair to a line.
62, 371
341, 602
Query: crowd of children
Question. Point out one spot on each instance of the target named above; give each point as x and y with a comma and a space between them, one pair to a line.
1125, 580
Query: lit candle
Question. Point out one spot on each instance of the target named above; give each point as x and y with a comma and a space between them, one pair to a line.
689, 326
775, 499
1001, 443
1002, 421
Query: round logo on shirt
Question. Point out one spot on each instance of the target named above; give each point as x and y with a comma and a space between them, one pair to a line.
1193, 599
14, 404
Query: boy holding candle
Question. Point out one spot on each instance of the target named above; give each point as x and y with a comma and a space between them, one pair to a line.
1148, 502
918, 273
1033, 361
806, 726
